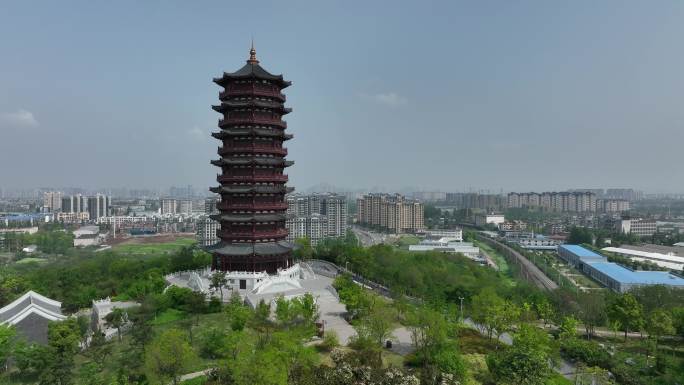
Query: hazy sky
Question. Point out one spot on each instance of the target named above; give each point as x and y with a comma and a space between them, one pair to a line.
511, 95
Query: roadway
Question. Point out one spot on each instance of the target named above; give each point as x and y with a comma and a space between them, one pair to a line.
368, 238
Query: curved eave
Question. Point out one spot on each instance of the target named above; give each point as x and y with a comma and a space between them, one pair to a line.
245, 249
250, 189
252, 71
244, 132
252, 161
249, 218
228, 106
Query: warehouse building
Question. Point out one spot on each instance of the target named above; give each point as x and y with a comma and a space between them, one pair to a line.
613, 276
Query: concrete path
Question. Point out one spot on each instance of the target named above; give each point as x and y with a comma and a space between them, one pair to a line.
190, 376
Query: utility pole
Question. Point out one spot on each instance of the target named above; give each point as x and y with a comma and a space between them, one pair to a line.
462, 318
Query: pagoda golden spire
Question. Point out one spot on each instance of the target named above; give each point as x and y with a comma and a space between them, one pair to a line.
252, 55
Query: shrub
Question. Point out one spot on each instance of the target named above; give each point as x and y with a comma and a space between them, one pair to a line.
588, 352
330, 341
211, 343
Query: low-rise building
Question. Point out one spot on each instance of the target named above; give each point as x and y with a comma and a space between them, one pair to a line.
668, 260
486, 219
612, 275
102, 308
539, 243
456, 234
87, 236
446, 245
73, 217
515, 225
636, 226
30, 314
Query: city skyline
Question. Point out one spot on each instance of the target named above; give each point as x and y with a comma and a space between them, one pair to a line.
509, 110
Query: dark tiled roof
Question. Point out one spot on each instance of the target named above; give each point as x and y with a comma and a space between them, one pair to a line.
240, 189
245, 160
233, 131
252, 71
249, 217
257, 248
231, 104
31, 314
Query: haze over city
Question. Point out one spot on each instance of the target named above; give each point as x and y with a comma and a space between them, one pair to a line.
487, 95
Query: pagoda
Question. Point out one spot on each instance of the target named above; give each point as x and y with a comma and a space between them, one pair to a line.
252, 185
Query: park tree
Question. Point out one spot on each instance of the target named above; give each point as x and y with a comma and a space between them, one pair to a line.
544, 310
261, 322
678, 320
63, 344
218, 281
527, 362
237, 312
486, 306
592, 310
593, 376
116, 319
30, 359
659, 324
100, 349
568, 328
504, 317
169, 355
8, 340
196, 304
436, 352
626, 310
374, 330
303, 249
580, 235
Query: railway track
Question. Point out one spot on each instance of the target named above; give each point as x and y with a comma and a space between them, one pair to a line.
529, 271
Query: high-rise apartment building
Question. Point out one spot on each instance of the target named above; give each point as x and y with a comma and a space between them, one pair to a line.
74, 204
613, 205
207, 231
576, 201
210, 206
487, 202
184, 206
316, 216
52, 200
98, 206
391, 212
168, 206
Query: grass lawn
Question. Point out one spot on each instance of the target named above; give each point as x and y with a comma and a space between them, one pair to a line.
405, 241
471, 341
498, 259
31, 260
154, 248
168, 316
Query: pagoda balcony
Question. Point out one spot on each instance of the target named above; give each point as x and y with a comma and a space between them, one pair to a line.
256, 235
253, 120
271, 93
252, 206
248, 178
253, 149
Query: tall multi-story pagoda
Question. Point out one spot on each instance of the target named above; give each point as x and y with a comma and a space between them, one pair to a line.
252, 186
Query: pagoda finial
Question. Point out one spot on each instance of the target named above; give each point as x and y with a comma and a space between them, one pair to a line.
252, 55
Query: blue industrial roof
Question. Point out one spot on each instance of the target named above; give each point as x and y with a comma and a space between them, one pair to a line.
624, 275
581, 252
